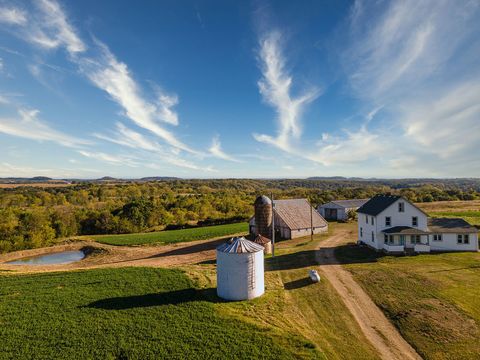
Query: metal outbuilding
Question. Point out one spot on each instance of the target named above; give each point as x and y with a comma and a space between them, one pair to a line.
240, 270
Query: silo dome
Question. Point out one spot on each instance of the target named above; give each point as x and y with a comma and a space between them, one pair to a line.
263, 216
240, 271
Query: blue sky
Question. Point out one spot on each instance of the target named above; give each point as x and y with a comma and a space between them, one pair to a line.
240, 89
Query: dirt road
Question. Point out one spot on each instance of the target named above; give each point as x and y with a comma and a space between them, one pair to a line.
376, 327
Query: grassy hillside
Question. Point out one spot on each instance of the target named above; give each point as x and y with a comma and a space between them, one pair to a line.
174, 236
434, 300
145, 313
134, 313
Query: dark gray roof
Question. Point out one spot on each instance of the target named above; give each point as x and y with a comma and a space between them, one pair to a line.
348, 204
404, 230
450, 225
377, 204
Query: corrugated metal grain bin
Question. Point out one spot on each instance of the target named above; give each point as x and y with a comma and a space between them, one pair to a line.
240, 270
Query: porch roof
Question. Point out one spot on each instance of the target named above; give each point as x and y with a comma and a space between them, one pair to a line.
404, 230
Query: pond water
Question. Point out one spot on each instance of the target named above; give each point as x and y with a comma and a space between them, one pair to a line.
65, 257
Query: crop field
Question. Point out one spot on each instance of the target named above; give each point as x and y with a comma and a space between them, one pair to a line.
151, 313
133, 313
434, 300
174, 236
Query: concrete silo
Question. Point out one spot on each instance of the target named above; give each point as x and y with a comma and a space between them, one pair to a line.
263, 216
240, 270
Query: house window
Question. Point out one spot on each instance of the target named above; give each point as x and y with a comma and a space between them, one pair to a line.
385, 239
414, 221
391, 239
388, 221
415, 239
366, 219
372, 220
361, 232
402, 239
401, 207
373, 237
437, 237
463, 239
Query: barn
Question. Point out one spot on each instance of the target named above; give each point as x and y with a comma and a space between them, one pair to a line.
338, 209
294, 218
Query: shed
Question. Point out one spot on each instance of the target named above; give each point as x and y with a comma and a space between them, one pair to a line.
240, 270
338, 209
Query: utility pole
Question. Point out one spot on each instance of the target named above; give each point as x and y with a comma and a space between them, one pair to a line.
273, 226
311, 222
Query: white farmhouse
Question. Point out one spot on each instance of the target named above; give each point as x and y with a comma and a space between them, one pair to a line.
393, 224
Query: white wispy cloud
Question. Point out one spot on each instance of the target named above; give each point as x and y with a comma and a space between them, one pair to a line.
353, 147
12, 16
53, 29
216, 150
109, 158
420, 61
127, 137
276, 89
28, 125
114, 77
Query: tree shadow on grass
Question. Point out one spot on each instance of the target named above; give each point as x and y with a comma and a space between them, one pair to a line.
157, 299
297, 284
344, 254
185, 250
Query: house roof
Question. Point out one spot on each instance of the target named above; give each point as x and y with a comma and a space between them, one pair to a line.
239, 245
296, 214
353, 203
404, 230
450, 225
377, 204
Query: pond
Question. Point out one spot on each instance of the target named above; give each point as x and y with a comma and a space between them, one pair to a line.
65, 257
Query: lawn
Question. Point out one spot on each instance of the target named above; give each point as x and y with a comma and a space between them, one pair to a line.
434, 300
174, 236
130, 313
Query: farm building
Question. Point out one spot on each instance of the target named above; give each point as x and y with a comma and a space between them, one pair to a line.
240, 270
293, 218
393, 224
339, 209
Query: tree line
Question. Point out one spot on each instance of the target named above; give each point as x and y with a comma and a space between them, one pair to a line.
34, 217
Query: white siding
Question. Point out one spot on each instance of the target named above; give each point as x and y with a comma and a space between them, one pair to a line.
402, 218
368, 228
449, 243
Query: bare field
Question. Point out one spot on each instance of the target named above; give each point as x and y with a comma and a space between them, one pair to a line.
453, 206
43, 185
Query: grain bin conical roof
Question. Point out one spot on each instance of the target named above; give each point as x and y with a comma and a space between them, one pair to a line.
262, 240
239, 245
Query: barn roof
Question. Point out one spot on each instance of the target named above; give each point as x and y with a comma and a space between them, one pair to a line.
450, 225
353, 203
295, 213
239, 245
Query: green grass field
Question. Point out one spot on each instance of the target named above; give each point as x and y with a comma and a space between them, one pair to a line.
173, 236
472, 217
434, 300
130, 313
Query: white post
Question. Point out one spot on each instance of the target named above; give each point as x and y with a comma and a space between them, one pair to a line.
273, 226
